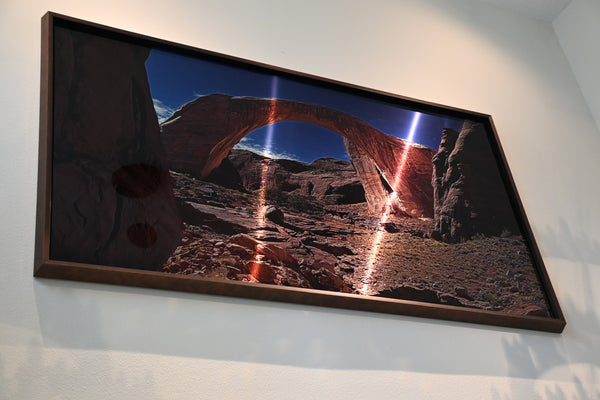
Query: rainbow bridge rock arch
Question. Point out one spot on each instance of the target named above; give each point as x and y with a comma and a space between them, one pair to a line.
199, 135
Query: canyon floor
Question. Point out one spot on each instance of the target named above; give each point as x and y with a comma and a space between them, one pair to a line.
271, 237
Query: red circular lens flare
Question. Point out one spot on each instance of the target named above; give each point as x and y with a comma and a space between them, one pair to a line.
142, 235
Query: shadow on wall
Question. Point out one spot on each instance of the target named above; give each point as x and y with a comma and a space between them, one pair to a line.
113, 318
44, 374
569, 366
563, 242
561, 371
75, 315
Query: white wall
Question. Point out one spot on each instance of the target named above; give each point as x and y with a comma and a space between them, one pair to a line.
71, 340
578, 31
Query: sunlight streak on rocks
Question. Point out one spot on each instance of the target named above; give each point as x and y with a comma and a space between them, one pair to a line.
262, 194
390, 206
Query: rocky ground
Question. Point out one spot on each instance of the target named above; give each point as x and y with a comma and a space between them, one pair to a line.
271, 236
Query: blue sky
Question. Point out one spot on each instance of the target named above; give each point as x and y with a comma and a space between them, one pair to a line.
176, 79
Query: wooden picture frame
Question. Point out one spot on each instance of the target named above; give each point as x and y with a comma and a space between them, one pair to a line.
171, 167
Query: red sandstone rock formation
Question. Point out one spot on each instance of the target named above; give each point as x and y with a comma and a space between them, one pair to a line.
469, 194
112, 201
375, 191
200, 135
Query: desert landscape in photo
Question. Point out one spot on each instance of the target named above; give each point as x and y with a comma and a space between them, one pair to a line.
202, 168
313, 225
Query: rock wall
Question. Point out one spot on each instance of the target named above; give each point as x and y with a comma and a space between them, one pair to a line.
469, 194
112, 201
200, 135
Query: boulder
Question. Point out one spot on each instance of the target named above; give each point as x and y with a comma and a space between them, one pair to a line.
274, 215
220, 220
407, 292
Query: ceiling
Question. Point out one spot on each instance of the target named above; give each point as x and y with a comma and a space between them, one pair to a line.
544, 10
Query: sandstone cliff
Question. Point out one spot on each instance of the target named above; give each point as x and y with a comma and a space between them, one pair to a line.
469, 194
112, 201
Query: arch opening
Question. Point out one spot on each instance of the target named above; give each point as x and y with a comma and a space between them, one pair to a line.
295, 140
322, 175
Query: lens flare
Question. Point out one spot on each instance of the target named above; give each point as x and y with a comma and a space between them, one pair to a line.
268, 145
413, 126
262, 194
391, 202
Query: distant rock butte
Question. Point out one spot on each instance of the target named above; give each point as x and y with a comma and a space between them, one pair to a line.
199, 136
328, 180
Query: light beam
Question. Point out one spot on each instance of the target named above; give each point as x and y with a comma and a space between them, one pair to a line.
261, 211
392, 199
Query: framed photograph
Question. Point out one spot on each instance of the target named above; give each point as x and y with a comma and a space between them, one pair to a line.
171, 167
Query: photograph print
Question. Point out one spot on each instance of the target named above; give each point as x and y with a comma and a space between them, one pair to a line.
173, 162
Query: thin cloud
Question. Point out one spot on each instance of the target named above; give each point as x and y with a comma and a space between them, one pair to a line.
163, 111
247, 144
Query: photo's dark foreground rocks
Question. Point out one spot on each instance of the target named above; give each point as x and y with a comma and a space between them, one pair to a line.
112, 200
314, 244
